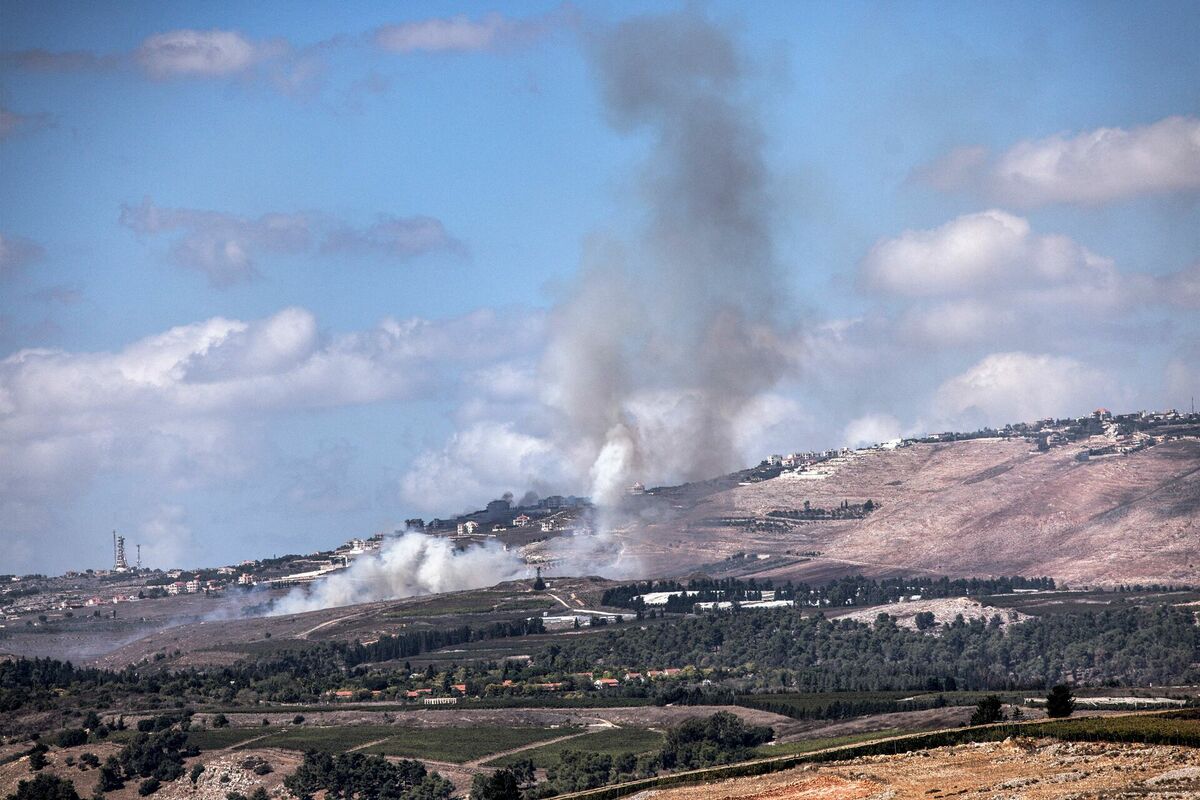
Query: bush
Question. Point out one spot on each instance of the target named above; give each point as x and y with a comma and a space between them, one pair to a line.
500, 785
1060, 703
196, 772
37, 757
220, 721
149, 786
298, 719
45, 787
988, 710
71, 737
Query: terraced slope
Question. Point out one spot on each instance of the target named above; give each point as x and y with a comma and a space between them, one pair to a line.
982, 507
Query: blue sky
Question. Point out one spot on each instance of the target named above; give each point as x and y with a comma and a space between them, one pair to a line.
359, 221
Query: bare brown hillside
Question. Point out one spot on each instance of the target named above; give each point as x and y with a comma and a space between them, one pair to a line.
981, 507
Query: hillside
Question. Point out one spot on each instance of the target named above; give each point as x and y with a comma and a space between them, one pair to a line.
979, 507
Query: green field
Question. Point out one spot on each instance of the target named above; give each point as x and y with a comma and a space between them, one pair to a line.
438, 744
461, 744
1174, 727
809, 745
843, 705
331, 740
219, 738
612, 741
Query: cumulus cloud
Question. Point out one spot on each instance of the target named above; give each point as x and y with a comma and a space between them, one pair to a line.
187, 53
954, 322
482, 461
460, 33
225, 247
187, 390
985, 250
1089, 168
1016, 386
193, 53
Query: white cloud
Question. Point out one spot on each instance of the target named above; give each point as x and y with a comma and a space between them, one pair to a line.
1089, 168
1017, 386
193, 53
183, 404
479, 463
460, 33
871, 429
225, 246
954, 322
985, 250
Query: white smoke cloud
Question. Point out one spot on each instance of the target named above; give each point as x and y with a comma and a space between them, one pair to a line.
413, 564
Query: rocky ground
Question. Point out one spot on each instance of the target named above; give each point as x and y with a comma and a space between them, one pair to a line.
1021, 769
943, 610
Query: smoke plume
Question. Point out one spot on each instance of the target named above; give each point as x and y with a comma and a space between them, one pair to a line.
411, 565
661, 345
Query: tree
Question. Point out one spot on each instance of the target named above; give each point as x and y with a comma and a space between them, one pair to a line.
924, 620
37, 757
149, 786
1060, 702
220, 721
45, 787
500, 785
987, 711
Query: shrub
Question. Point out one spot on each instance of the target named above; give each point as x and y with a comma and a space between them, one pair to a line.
71, 737
45, 787
1060, 703
149, 786
987, 711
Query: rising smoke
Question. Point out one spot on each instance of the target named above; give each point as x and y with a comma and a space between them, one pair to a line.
662, 345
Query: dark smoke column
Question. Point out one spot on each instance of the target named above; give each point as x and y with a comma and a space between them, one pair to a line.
663, 344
